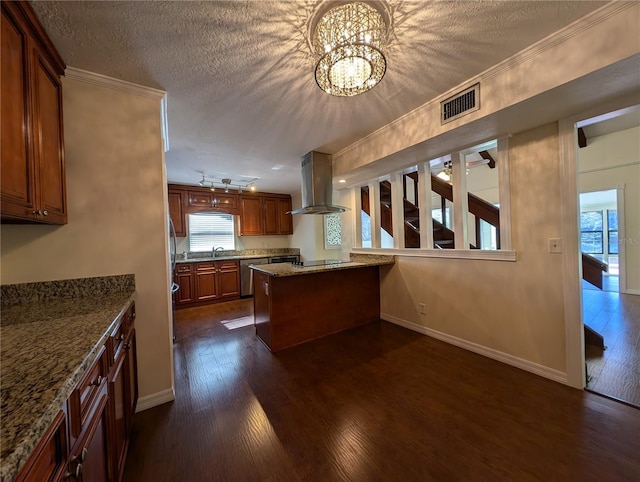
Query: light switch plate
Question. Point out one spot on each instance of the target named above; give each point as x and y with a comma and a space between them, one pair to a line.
555, 245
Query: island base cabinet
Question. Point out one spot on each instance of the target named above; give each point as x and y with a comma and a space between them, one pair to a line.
290, 310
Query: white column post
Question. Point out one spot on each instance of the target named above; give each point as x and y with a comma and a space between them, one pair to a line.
505, 199
356, 202
374, 209
424, 203
397, 210
460, 200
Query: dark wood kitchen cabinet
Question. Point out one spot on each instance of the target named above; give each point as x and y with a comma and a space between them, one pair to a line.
177, 212
250, 222
183, 276
206, 282
89, 424
123, 390
88, 439
49, 458
32, 188
228, 279
265, 215
212, 201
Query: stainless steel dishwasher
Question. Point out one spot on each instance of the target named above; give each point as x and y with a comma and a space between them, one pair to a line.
246, 280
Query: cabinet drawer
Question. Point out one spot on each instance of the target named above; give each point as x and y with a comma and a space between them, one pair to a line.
86, 393
206, 266
183, 268
228, 265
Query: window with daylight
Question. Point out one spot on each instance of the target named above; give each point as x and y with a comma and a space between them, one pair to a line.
591, 225
209, 230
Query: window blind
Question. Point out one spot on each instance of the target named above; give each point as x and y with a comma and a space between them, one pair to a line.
207, 230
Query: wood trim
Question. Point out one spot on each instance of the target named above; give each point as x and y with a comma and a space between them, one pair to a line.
155, 399
483, 254
571, 267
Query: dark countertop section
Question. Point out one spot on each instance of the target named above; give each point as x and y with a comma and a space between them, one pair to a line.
46, 346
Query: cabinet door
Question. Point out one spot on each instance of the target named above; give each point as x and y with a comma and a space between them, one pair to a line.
18, 166
225, 202
203, 200
48, 139
285, 219
176, 212
251, 216
118, 386
184, 278
228, 279
206, 281
131, 365
95, 462
270, 210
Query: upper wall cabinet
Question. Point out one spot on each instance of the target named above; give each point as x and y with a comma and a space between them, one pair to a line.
32, 185
258, 214
176, 211
265, 214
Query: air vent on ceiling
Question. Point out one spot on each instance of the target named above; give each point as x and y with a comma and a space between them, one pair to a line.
460, 104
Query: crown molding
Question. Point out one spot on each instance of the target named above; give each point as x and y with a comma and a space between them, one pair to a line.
115, 84
564, 34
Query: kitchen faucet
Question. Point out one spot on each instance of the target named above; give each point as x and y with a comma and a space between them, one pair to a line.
214, 250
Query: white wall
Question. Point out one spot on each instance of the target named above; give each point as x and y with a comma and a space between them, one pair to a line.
116, 194
308, 234
510, 310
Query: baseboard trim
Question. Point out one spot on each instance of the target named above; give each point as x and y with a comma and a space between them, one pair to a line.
632, 292
155, 399
546, 372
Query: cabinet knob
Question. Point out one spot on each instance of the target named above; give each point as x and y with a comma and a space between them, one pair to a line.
121, 336
45, 213
127, 346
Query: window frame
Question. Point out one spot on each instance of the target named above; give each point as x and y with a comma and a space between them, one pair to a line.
196, 246
505, 253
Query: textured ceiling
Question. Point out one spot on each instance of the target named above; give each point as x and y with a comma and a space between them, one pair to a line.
239, 74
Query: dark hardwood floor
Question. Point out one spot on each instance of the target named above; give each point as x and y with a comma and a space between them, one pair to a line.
615, 371
375, 403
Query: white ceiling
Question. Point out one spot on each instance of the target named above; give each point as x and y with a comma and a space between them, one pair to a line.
239, 74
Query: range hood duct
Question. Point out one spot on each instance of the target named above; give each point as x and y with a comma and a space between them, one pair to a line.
317, 185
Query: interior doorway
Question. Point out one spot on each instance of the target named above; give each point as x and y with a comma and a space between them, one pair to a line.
608, 171
599, 235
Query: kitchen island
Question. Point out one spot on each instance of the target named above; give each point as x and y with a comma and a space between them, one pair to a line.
295, 304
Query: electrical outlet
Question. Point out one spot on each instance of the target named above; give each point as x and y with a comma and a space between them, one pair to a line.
422, 308
555, 245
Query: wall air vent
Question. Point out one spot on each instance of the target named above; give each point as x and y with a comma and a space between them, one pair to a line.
460, 104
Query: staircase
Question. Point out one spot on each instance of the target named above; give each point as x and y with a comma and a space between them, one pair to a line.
443, 236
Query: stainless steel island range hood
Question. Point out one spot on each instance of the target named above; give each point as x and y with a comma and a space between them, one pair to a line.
317, 187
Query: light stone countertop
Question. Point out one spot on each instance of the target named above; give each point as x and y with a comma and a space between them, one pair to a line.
46, 348
285, 269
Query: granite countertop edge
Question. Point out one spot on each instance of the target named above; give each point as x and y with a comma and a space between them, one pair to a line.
231, 258
11, 464
284, 270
